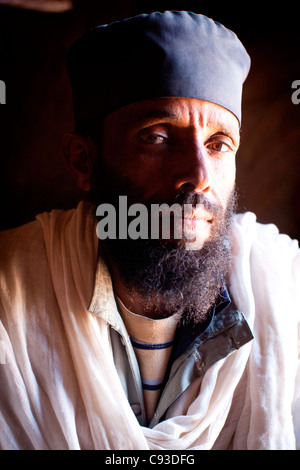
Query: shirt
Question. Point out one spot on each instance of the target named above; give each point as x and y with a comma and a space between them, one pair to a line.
60, 388
193, 352
152, 341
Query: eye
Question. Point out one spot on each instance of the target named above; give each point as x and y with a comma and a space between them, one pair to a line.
219, 146
155, 139
153, 136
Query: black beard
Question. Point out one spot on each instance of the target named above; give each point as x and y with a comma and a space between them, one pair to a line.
169, 278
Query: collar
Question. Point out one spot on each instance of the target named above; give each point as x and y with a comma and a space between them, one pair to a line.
103, 303
224, 321
187, 335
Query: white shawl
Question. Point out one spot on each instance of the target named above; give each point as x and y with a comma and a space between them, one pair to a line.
59, 386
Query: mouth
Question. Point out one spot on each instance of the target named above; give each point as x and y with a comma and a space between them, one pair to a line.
192, 218
197, 215
194, 225
187, 222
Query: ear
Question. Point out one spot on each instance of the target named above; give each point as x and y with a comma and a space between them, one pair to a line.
79, 159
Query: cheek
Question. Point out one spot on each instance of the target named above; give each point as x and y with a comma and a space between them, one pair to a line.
150, 176
144, 174
230, 183
230, 175
224, 180
142, 169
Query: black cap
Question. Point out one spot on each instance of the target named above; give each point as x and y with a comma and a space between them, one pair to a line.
175, 53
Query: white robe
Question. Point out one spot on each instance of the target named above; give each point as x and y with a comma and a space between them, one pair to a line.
60, 388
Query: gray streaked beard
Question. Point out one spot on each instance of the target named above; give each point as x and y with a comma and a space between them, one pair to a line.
171, 279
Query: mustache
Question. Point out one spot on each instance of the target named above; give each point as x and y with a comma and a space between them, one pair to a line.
192, 199
102, 192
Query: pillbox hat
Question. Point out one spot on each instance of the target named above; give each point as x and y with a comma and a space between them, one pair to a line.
175, 53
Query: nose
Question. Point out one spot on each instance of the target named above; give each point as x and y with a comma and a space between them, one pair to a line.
195, 173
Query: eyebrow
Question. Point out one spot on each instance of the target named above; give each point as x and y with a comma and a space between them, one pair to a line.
157, 115
225, 129
231, 132
161, 114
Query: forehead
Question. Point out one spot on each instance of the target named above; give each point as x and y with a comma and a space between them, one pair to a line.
179, 111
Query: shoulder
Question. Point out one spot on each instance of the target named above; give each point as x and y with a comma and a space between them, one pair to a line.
262, 234
20, 244
24, 269
265, 239
23, 252
273, 258
27, 242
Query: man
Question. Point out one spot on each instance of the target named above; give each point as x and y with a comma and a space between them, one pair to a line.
116, 340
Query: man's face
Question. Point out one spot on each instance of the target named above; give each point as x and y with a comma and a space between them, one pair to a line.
154, 150
164, 151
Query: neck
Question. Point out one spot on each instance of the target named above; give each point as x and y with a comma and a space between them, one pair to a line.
133, 300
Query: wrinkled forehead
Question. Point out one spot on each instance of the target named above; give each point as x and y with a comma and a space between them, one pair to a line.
180, 112
170, 54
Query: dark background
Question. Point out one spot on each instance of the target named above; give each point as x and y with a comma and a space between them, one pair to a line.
38, 109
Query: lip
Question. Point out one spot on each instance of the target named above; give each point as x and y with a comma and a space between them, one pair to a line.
193, 220
195, 223
198, 215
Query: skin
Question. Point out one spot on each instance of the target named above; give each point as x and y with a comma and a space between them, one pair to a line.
160, 148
